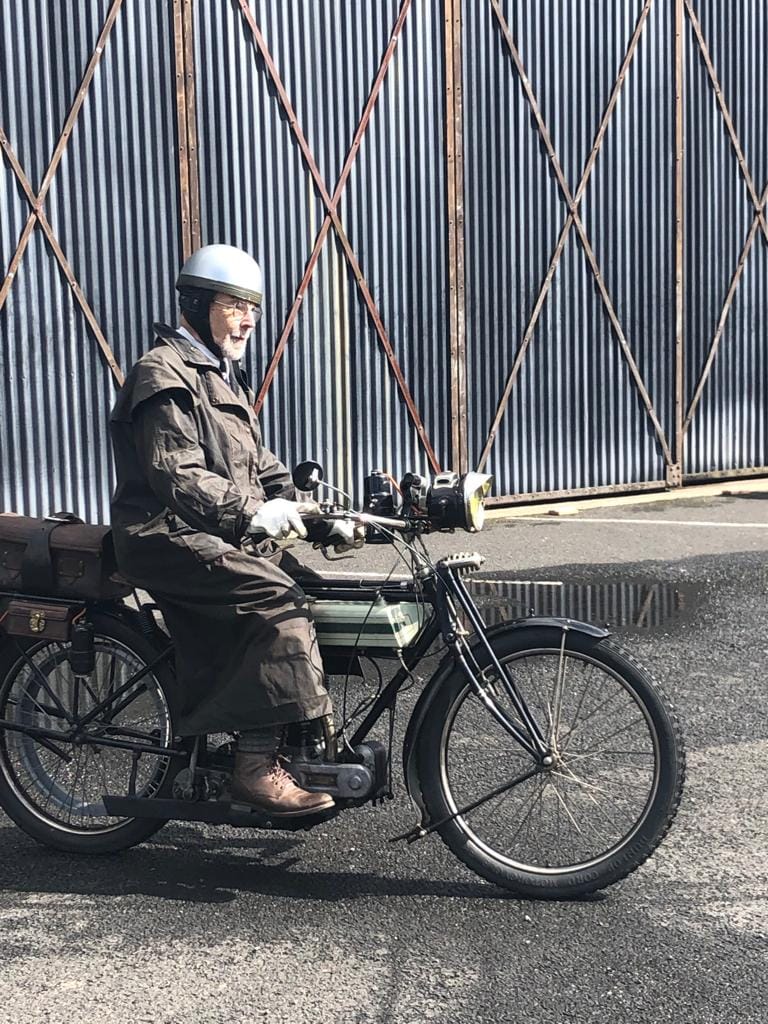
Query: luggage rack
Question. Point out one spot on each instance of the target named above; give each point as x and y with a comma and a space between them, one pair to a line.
21, 595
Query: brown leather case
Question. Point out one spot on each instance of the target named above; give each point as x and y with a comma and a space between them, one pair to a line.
38, 619
77, 559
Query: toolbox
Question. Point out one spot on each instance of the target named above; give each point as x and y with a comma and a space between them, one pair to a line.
58, 556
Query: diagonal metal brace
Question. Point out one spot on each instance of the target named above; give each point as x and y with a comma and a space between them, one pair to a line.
574, 219
333, 218
37, 200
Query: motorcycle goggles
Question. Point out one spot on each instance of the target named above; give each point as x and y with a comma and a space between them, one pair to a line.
239, 307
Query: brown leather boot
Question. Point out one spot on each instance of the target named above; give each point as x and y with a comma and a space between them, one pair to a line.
261, 780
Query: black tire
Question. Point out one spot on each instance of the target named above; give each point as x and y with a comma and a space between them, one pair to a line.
55, 795
594, 816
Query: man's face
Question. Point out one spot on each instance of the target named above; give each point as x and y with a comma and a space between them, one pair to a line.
231, 321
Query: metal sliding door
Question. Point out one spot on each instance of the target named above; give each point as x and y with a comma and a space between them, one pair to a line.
89, 235
320, 132
570, 243
726, 253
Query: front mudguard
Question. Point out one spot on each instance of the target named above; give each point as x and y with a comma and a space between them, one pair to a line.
448, 665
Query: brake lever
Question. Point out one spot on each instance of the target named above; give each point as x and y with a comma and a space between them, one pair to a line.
329, 557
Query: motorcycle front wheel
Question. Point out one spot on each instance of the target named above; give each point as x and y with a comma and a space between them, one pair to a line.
602, 807
53, 787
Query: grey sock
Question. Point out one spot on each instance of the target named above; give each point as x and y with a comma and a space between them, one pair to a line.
261, 741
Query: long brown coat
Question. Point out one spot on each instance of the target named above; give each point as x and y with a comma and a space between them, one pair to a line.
191, 472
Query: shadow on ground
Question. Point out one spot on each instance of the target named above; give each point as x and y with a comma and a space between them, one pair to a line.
206, 875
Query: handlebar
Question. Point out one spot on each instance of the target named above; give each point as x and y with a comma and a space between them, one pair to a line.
364, 518
287, 527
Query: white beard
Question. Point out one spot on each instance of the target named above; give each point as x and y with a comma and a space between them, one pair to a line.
233, 350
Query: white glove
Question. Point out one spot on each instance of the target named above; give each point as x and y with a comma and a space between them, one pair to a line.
345, 535
280, 518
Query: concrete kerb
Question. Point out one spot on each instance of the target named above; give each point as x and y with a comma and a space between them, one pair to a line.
721, 488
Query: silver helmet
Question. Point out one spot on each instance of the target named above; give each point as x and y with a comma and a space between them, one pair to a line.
223, 268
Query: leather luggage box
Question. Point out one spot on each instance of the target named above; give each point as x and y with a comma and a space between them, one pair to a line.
38, 619
57, 558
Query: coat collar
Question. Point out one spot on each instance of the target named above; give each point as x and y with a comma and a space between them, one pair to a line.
219, 392
192, 354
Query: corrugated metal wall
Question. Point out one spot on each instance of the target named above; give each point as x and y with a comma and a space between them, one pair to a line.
551, 406
334, 396
112, 206
726, 265
575, 419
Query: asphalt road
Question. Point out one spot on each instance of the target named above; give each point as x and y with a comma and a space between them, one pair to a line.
206, 925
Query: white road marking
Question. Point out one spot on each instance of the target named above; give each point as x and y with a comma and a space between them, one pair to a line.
651, 522
519, 583
381, 576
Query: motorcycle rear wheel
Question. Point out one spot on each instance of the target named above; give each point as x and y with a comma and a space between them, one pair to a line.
53, 791
593, 817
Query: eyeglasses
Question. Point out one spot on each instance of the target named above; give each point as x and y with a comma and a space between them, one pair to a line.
241, 308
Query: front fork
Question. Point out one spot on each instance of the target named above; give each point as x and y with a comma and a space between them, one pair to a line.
451, 591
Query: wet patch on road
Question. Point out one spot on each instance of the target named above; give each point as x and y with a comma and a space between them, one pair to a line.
631, 605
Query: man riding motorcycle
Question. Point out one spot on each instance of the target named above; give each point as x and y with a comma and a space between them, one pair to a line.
194, 483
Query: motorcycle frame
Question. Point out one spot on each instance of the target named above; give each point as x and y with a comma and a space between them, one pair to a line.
442, 588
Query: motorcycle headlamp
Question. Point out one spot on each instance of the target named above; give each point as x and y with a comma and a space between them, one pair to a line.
448, 502
457, 501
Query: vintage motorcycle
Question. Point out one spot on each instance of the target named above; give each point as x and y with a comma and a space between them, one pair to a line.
543, 755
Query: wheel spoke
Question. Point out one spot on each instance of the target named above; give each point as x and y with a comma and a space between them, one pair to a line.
587, 674
591, 827
612, 761
534, 686
73, 790
52, 782
557, 699
47, 711
533, 800
581, 809
610, 736
62, 784
569, 776
587, 718
566, 808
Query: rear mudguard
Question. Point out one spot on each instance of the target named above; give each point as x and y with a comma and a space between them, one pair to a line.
448, 665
